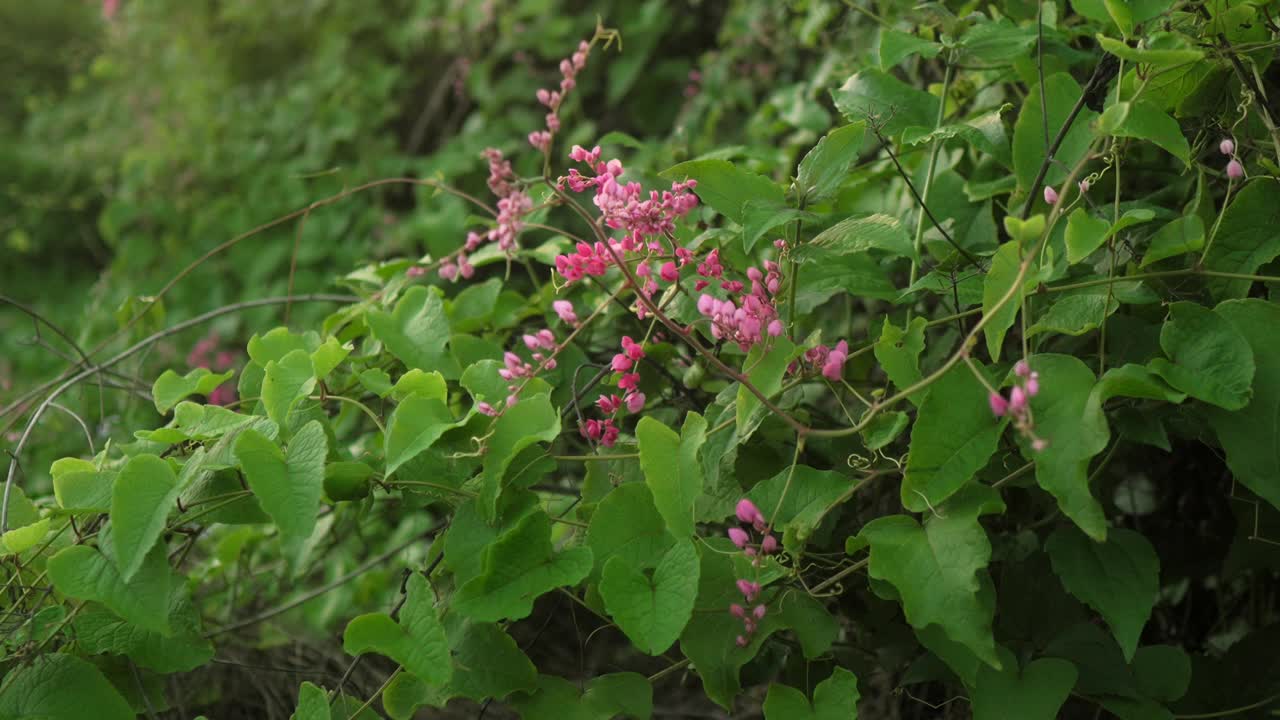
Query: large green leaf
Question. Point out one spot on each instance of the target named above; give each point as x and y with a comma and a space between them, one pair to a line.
1085, 233
415, 425
995, 285
57, 686
84, 573
652, 609
827, 164
1029, 142
952, 439
529, 421
1119, 578
898, 352
627, 525
171, 387
671, 469
80, 487
487, 664
1246, 238
1181, 236
835, 698
857, 234
608, 696
416, 331
1249, 435
287, 381
417, 641
797, 501
288, 485
936, 568
1034, 692
99, 630
726, 188
518, 568
1143, 120
313, 704
765, 366
892, 104
1076, 314
1208, 358
144, 494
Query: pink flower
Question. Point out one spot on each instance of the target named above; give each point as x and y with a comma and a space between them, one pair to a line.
739, 537
737, 611
633, 349
621, 363
109, 8
759, 612
669, 273
635, 402
1017, 400
1235, 170
1084, 186
1050, 195
748, 512
999, 406
1033, 385
741, 641
485, 408
1039, 444
748, 589
1021, 369
415, 271
769, 545
564, 309
1227, 147
608, 404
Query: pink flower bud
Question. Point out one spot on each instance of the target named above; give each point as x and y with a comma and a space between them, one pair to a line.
759, 612
564, 309
741, 641
621, 363
737, 611
485, 408
1227, 147
1050, 195
748, 589
739, 537
635, 402
1033, 387
1235, 170
999, 406
1084, 186
747, 511
769, 545
1021, 369
669, 273
1039, 444
1017, 400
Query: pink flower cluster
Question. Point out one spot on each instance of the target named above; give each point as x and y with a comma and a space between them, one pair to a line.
1235, 170
515, 368
205, 354
605, 431
746, 321
569, 69
564, 310
1018, 405
829, 361
513, 204
749, 514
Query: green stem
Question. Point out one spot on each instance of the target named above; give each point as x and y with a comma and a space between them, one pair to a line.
928, 179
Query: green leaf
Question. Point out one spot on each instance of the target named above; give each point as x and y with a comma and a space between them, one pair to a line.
416, 331
1076, 314
1184, 235
857, 234
835, 698
999, 279
1150, 56
529, 421
313, 703
1162, 672
626, 525
1248, 436
1119, 578
896, 46
79, 486
936, 568
671, 468
518, 568
171, 387
23, 538
84, 573
998, 40
1143, 120
1028, 132
1246, 237
898, 352
858, 275
884, 429
652, 610
765, 366
954, 436
797, 500
1209, 359
1059, 411
1035, 692
1085, 234
758, 219
99, 630
145, 491
813, 626
487, 664
347, 480
417, 641
288, 486
286, 382
326, 358
826, 166
726, 188
60, 687
415, 425
893, 103
985, 133
607, 697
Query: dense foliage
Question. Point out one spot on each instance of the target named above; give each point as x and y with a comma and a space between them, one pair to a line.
808, 360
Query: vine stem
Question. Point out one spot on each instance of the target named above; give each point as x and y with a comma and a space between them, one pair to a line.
839, 576
1233, 711
918, 242
126, 353
385, 684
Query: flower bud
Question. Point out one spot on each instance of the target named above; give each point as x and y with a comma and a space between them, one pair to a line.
1235, 170
1021, 369
739, 537
1227, 147
759, 612
1017, 400
747, 511
769, 545
999, 406
737, 611
1050, 195
1084, 186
